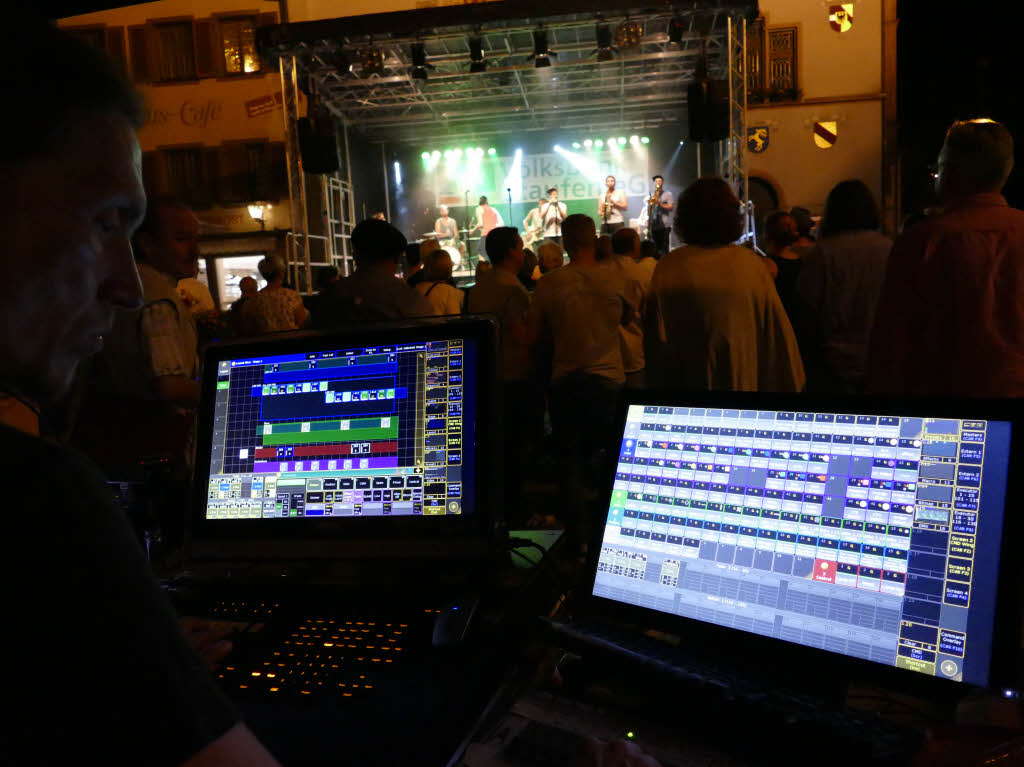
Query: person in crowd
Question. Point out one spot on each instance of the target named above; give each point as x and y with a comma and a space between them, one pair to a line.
578, 310
650, 250
146, 377
603, 249
950, 319
482, 267
659, 208
72, 199
627, 254
275, 308
805, 230
714, 318
373, 292
780, 233
443, 297
550, 257
528, 272
413, 263
838, 288
627, 242
379, 215
500, 292
325, 277
248, 287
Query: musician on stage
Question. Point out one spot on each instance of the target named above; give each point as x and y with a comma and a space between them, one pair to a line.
487, 218
610, 207
533, 226
553, 213
659, 209
445, 228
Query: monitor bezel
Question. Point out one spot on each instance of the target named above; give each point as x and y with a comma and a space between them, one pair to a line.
813, 663
353, 537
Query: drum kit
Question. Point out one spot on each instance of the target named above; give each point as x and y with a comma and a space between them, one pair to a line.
454, 247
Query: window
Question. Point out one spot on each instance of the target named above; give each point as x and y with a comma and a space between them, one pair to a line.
229, 271
238, 37
94, 38
185, 172
771, 64
177, 55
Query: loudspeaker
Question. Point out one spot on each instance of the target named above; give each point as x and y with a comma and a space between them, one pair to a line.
708, 108
319, 149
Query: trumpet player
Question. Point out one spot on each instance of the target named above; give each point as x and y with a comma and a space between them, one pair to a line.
660, 205
610, 207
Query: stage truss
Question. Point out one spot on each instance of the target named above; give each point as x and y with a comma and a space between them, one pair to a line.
634, 89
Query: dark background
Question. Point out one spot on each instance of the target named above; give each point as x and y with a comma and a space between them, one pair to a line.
956, 61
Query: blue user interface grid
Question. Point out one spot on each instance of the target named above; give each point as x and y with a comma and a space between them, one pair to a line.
875, 537
364, 432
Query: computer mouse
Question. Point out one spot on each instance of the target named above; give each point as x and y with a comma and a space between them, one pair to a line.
452, 623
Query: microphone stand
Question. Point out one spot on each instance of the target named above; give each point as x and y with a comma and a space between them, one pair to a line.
510, 205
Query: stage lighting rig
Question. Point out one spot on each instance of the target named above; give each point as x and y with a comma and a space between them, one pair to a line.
419, 62
676, 30
629, 34
603, 36
541, 53
476, 55
372, 59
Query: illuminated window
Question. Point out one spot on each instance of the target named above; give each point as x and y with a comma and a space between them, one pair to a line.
239, 39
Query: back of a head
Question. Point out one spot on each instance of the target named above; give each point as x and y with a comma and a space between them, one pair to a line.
780, 229
603, 248
578, 233
980, 155
438, 266
69, 81
376, 242
850, 207
499, 242
649, 248
272, 268
248, 286
708, 214
549, 257
804, 222
624, 242
412, 255
325, 277
426, 248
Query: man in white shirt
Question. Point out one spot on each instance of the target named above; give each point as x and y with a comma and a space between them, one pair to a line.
553, 213
578, 310
610, 207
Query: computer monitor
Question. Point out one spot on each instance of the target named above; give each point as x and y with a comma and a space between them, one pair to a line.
373, 432
869, 535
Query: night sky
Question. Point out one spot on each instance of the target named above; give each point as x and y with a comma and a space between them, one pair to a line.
956, 61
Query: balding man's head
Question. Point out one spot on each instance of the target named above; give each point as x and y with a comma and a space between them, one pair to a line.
976, 157
578, 234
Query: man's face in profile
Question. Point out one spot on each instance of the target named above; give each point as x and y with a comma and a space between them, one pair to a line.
67, 217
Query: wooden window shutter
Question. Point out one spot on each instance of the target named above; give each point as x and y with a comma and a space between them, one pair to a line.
278, 171
116, 48
234, 173
154, 174
209, 193
209, 54
138, 50
267, 20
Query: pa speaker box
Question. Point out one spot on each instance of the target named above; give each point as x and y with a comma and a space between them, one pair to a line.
318, 148
708, 107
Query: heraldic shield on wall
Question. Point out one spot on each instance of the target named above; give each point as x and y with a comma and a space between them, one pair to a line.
825, 133
840, 17
758, 137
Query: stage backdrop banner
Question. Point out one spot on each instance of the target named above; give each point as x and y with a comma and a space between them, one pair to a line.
576, 175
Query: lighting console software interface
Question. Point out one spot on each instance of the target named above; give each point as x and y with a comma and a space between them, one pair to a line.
876, 537
379, 431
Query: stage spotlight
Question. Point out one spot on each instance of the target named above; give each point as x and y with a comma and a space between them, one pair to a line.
676, 31
425, 155
588, 143
476, 55
541, 54
435, 155
599, 143
629, 34
576, 145
603, 35
492, 151
622, 140
645, 140
372, 60
419, 62
634, 140
456, 153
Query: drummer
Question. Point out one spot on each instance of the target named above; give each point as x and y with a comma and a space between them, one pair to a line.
445, 228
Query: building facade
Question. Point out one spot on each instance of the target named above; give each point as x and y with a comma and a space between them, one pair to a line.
214, 131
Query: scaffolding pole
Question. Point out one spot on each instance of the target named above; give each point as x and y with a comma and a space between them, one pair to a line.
297, 247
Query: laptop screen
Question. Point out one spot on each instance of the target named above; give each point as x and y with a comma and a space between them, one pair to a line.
358, 431
876, 537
